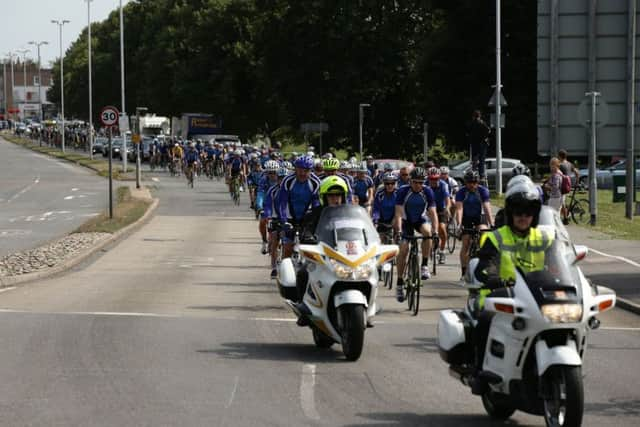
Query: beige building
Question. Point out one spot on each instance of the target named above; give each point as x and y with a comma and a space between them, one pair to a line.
21, 97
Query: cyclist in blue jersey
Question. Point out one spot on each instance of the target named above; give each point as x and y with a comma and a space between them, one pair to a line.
298, 194
236, 167
378, 180
403, 177
443, 202
270, 216
330, 166
191, 159
412, 202
269, 179
363, 187
384, 204
253, 178
472, 201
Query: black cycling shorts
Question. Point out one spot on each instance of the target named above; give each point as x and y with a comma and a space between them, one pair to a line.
471, 222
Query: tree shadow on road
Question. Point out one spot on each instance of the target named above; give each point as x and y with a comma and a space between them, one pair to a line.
433, 420
614, 408
276, 352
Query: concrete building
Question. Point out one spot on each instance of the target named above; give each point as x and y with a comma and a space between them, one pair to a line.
22, 97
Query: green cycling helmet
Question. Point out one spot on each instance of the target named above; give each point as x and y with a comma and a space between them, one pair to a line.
331, 164
332, 185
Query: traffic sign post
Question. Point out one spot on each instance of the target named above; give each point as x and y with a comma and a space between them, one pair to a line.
109, 118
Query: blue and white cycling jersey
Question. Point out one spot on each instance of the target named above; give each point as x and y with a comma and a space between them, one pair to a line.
297, 197
361, 188
211, 153
472, 201
384, 206
271, 202
415, 204
441, 193
191, 156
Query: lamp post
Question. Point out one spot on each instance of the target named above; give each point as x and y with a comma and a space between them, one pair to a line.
13, 84
123, 113
60, 24
138, 142
24, 77
90, 87
38, 44
4, 88
498, 106
361, 107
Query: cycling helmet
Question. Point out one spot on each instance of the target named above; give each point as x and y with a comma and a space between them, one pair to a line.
417, 173
287, 165
253, 156
331, 164
389, 177
434, 173
345, 165
310, 154
361, 167
304, 162
271, 166
522, 197
444, 170
317, 163
327, 156
387, 167
471, 176
282, 172
237, 153
332, 185
518, 179
519, 169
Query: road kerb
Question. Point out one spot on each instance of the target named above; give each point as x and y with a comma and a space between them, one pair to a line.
81, 256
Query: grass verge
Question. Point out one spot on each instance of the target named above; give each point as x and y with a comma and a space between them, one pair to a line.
126, 210
98, 165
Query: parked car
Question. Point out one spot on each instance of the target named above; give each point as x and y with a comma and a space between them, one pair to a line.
100, 145
604, 177
116, 148
457, 171
144, 150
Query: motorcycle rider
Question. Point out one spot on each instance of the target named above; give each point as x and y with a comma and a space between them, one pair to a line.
518, 244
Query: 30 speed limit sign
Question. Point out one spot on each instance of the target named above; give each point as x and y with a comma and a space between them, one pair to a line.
109, 116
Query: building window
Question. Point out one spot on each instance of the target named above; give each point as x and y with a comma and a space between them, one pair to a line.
36, 80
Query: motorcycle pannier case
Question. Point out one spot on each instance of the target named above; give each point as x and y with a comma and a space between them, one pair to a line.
453, 330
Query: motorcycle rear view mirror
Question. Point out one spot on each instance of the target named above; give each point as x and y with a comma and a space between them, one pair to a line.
581, 252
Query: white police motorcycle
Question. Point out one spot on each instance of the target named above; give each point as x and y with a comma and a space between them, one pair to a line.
537, 338
340, 298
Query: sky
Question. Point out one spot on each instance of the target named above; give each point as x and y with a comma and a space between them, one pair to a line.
30, 20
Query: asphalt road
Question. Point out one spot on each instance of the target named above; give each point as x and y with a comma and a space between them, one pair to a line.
42, 198
179, 325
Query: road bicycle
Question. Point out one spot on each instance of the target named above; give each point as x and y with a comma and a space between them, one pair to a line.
387, 238
235, 185
577, 209
412, 276
189, 173
435, 244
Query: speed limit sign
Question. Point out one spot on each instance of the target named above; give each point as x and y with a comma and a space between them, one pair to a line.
109, 116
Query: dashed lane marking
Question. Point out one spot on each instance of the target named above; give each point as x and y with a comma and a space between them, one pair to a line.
307, 391
619, 258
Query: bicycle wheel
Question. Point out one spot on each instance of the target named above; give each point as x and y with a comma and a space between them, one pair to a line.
451, 236
408, 283
580, 211
434, 254
417, 284
236, 192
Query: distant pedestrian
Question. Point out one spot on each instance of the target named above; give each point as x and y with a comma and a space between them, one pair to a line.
478, 134
568, 169
553, 185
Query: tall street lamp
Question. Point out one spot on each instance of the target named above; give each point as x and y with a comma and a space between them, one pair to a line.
361, 107
37, 45
124, 124
60, 24
13, 83
90, 87
24, 77
4, 89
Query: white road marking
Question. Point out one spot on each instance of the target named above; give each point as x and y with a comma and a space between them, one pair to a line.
619, 258
74, 189
273, 319
24, 190
69, 197
616, 328
307, 391
154, 179
233, 393
7, 289
89, 313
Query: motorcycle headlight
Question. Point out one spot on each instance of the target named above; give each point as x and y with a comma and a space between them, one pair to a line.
341, 270
363, 271
562, 313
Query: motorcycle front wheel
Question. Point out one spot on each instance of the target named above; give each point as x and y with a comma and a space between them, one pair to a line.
497, 405
563, 397
353, 326
321, 340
